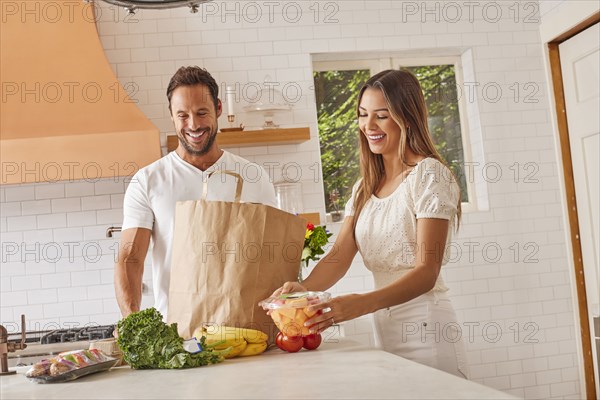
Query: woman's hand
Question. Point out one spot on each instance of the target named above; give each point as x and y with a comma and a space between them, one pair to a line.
336, 310
289, 287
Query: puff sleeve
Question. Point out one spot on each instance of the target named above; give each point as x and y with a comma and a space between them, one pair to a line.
435, 191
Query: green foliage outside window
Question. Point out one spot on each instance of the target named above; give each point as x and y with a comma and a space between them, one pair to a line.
336, 96
439, 89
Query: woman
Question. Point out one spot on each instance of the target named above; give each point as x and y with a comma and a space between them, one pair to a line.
400, 217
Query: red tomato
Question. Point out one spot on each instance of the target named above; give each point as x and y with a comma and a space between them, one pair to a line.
278, 341
290, 344
311, 342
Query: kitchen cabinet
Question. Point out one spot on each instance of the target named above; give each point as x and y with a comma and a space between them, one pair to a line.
254, 138
338, 369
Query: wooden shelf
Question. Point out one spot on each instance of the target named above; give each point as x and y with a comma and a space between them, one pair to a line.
313, 218
254, 138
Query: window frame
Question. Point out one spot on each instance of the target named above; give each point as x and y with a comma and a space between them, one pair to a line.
471, 205
388, 61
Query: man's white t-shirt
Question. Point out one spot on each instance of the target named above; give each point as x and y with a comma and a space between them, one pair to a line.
154, 190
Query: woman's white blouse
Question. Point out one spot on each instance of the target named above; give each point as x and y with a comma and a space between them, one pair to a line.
386, 232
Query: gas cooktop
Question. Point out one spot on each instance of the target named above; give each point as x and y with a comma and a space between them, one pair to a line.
47, 343
87, 333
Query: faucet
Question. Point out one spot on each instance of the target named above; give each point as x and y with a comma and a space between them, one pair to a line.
109, 231
6, 347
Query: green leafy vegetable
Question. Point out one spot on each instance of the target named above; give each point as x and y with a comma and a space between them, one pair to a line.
147, 342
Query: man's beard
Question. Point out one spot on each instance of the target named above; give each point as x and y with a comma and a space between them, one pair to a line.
208, 143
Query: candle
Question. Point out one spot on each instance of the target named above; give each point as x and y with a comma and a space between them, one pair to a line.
230, 100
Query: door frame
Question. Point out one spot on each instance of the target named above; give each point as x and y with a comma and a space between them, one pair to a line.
567, 169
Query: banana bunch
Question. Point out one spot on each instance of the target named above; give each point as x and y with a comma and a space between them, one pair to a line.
243, 342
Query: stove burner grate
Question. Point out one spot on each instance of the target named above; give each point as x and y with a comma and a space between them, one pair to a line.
78, 334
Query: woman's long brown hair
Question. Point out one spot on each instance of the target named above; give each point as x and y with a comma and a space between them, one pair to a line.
406, 104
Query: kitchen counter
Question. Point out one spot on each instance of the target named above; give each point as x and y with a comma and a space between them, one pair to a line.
345, 370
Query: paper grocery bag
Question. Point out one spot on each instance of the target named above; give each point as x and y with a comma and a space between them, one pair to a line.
228, 256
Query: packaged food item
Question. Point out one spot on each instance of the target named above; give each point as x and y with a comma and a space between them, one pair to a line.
110, 348
289, 311
70, 365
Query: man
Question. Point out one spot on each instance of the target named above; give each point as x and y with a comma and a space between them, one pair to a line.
150, 199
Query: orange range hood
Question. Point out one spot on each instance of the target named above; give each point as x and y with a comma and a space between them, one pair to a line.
64, 115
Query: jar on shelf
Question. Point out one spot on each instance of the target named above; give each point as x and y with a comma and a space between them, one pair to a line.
289, 197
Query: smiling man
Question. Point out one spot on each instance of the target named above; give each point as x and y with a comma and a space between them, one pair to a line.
149, 206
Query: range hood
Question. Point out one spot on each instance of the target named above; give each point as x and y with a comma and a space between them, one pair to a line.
64, 115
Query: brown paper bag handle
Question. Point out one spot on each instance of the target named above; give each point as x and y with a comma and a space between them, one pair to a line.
238, 188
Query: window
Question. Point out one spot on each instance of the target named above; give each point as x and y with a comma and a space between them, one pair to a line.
337, 84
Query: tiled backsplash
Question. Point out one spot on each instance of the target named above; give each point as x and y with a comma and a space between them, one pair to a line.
57, 264
509, 277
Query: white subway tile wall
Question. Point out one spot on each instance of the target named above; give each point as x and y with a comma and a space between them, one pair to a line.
508, 272
57, 264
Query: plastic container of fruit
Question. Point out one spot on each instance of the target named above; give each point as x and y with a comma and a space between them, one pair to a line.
289, 311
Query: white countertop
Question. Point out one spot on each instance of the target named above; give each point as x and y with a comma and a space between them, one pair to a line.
345, 370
